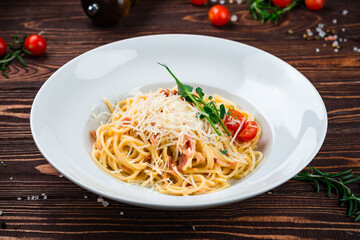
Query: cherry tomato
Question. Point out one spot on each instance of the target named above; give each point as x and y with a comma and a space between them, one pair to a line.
198, 2
35, 44
219, 15
233, 122
2, 47
315, 5
281, 3
249, 132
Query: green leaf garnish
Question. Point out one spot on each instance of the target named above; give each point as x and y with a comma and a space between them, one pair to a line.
200, 92
223, 151
212, 113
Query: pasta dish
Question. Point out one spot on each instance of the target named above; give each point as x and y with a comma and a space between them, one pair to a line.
164, 141
157, 139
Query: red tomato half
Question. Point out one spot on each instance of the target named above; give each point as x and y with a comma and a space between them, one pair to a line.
315, 5
198, 2
219, 15
230, 122
249, 132
281, 3
2, 47
35, 44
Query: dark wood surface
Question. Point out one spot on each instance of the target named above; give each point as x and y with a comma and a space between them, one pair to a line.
290, 211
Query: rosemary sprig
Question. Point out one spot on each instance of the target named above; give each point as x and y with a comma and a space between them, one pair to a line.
18, 49
267, 12
335, 182
210, 110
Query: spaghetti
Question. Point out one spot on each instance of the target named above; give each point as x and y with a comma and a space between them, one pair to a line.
159, 141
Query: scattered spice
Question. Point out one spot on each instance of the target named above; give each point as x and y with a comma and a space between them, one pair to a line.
234, 18
105, 203
121, 213
4, 164
290, 32
19, 198
61, 175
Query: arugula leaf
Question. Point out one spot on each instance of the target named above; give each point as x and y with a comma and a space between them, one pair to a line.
222, 111
223, 151
182, 91
200, 92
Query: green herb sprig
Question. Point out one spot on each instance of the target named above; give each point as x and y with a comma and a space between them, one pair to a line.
17, 49
335, 182
211, 112
267, 12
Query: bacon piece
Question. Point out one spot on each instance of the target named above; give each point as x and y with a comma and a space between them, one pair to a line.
126, 121
166, 92
154, 140
188, 147
225, 164
183, 161
93, 134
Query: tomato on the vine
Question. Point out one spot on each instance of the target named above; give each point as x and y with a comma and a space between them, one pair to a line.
198, 2
3, 47
281, 3
35, 44
249, 132
219, 15
315, 5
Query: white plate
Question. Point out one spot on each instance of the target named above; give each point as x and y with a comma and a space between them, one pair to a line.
288, 107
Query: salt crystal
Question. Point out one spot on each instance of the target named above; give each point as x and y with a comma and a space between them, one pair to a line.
231, 1
11, 178
45, 197
324, 44
100, 199
61, 175
121, 213
85, 197
28, 198
317, 50
345, 12
340, 39
334, 21
343, 29
322, 34
358, 50
105, 203
234, 18
321, 25
1, 212
193, 227
345, 40
335, 43
43, 194
310, 34
239, 1
19, 198
222, 2
213, 1
355, 48
318, 29
336, 50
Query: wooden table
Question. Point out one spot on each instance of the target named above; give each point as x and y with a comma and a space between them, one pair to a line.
290, 211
